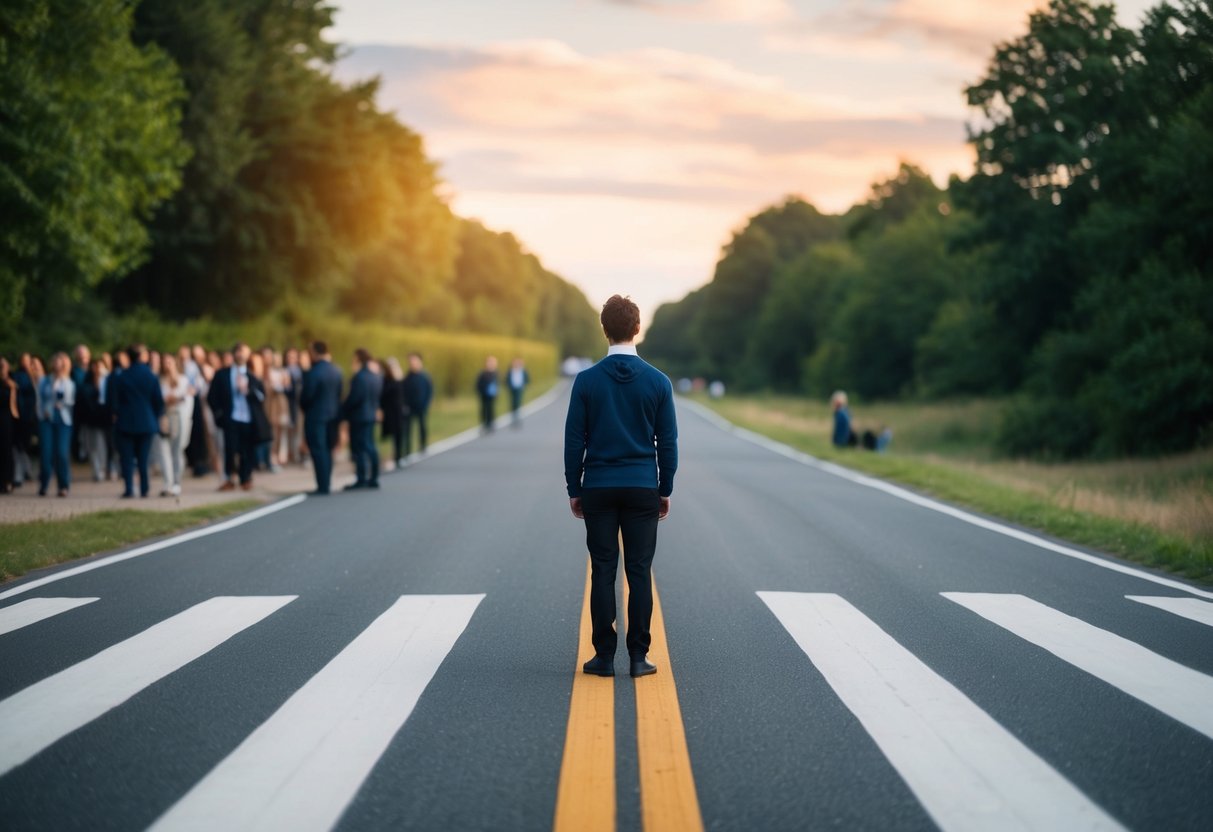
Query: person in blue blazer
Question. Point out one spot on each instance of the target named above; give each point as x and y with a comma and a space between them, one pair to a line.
320, 400
138, 403
360, 409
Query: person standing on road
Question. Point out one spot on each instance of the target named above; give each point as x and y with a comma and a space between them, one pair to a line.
138, 403
486, 387
418, 393
517, 379
391, 402
620, 455
234, 393
320, 401
360, 407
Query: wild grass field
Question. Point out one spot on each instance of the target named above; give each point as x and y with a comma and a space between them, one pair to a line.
1158, 511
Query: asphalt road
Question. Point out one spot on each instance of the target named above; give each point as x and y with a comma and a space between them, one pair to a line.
838, 657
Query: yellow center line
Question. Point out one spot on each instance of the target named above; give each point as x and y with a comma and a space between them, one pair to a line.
668, 801
585, 798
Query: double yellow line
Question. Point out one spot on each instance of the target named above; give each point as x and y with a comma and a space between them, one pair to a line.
585, 799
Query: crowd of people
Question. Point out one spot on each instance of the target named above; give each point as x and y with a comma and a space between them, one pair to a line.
207, 412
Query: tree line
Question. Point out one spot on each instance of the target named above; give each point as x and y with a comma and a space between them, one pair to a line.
199, 160
1072, 271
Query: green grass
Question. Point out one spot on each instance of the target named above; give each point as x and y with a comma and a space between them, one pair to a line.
42, 543
1156, 512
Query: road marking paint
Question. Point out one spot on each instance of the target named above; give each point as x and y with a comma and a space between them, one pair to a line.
300, 768
668, 801
35, 610
206, 531
933, 505
1192, 608
585, 797
966, 769
1178, 691
47, 711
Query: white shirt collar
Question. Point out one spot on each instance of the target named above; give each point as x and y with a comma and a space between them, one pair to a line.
622, 349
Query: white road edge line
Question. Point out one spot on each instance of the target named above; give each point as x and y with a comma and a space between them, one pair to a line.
206, 531
1184, 694
300, 768
35, 610
926, 502
967, 770
1192, 608
47, 711
441, 446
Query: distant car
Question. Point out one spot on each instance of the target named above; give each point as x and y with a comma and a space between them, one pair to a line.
684, 385
716, 389
573, 365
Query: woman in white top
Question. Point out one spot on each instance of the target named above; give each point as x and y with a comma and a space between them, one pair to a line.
56, 398
179, 413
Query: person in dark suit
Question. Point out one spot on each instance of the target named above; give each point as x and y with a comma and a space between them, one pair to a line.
517, 379
237, 401
620, 455
418, 393
320, 400
137, 402
487, 387
359, 409
391, 402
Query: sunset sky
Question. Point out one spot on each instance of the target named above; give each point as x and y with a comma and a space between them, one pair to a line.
624, 140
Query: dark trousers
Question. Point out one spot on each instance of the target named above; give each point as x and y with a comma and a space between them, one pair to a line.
420, 417
515, 401
321, 439
239, 441
133, 448
396, 434
362, 448
488, 407
55, 444
632, 512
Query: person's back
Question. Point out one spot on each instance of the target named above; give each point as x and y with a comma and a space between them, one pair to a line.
628, 405
137, 400
321, 396
620, 456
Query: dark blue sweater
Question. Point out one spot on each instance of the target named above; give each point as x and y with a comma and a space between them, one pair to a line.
621, 431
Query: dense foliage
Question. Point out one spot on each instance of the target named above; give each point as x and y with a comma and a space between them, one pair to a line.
199, 160
1073, 269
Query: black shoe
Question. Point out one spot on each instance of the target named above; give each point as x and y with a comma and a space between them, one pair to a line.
641, 666
318, 493
373, 484
129, 495
355, 486
600, 666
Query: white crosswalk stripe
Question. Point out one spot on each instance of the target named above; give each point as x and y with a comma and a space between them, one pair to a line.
47, 711
1193, 608
35, 610
301, 768
967, 770
1178, 691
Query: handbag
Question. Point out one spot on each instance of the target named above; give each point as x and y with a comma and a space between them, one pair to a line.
165, 425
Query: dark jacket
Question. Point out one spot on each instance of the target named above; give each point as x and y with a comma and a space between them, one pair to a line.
321, 395
418, 391
136, 400
621, 430
362, 402
220, 399
487, 384
391, 402
91, 411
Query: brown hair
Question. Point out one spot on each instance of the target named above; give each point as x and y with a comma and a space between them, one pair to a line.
620, 318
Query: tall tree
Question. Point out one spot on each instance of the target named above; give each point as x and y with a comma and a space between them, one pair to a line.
89, 145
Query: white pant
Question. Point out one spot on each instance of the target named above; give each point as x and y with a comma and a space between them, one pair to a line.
171, 449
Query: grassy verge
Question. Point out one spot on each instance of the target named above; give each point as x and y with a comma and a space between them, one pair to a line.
1156, 512
40, 543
